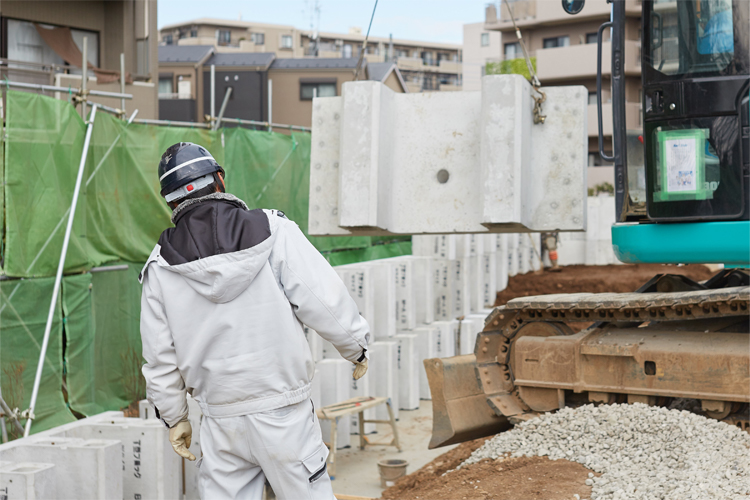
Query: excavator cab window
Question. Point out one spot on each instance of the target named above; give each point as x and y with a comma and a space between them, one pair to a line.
695, 86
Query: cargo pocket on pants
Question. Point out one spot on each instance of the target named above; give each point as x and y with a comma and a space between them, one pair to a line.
316, 466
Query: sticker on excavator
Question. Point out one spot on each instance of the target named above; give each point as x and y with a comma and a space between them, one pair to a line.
682, 165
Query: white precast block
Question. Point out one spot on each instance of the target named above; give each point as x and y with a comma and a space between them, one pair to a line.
488, 280
444, 345
524, 254
323, 215
555, 188
424, 293
502, 261
27, 481
426, 341
477, 148
334, 388
359, 282
513, 262
362, 388
408, 370
471, 325
571, 248
435, 245
443, 284
150, 467
462, 285
383, 370
83, 468
592, 232
536, 249
373, 288
506, 128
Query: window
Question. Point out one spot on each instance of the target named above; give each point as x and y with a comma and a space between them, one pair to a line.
286, 41
512, 50
557, 41
590, 37
485, 39
427, 58
193, 32
347, 51
310, 89
223, 37
165, 85
168, 39
402, 53
25, 44
258, 38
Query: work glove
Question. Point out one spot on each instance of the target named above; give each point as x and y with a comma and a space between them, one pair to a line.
360, 369
180, 436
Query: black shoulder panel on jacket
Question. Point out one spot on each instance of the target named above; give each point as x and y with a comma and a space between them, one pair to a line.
213, 227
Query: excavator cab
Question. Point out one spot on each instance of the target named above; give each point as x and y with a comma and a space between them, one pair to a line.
682, 195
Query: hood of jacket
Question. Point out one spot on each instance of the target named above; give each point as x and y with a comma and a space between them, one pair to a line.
217, 245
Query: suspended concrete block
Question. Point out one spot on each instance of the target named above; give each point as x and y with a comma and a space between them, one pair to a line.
150, 467
83, 468
27, 481
458, 162
408, 362
334, 388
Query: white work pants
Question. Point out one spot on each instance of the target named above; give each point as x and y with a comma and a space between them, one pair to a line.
283, 445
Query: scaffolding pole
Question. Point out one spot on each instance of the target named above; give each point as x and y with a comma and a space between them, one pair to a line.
268, 125
149, 121
213, 92
52, 88
238, 121
122, 83
60, 267
84, 78
217, 124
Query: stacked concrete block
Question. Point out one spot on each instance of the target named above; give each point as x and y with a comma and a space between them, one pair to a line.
430, 342
443, 283
383, 371
335, 376
514, 241
151, 468
83, 468
445, 339
422, 268
373, 288
463, 282
486, 290
362, 388
477, 148
408, 364
27, 481
501, 251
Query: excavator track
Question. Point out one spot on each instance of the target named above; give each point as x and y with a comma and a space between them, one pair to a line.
673, 338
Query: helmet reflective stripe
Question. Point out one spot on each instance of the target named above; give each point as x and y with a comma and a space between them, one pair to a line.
189, 162
185, 190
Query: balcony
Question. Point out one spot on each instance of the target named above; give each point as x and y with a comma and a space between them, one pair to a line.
632, 118
447, 87
527, 13
579, 61
410, 63
414, 87
451, 67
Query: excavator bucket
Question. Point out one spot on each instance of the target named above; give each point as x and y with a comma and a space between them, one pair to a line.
459, 407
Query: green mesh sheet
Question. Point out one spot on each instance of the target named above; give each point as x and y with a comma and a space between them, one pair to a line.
24, 305
103, 340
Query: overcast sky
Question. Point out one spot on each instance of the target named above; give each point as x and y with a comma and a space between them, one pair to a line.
434, 20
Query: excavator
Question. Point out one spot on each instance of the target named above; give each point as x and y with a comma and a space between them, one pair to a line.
682, 196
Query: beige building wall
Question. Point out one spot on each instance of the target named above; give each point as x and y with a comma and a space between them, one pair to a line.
122, 25
392, 82
288, 107
476, 55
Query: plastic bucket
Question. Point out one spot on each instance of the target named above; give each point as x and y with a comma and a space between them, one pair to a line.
390, 470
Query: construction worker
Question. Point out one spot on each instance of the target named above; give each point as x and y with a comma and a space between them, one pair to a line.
225, 294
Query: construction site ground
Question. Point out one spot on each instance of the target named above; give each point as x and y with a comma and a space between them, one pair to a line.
530, 478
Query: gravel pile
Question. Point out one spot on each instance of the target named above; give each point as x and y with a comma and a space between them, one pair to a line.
642, 452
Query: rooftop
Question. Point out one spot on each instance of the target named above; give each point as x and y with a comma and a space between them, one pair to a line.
183, 53
223, 22
263, 59
316, 63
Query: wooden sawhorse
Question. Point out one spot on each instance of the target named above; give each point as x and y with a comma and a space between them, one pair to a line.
349, 407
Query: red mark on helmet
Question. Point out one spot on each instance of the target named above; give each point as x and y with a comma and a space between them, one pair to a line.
640, 138
189, 187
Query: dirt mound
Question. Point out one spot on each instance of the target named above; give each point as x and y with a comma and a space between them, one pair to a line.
530, 478
594, 279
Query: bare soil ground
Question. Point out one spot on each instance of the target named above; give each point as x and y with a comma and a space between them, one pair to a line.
594, 279
529, 478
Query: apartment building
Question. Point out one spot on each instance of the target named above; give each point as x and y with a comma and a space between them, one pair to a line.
480, 48
425, 66
41, 42
564, 49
